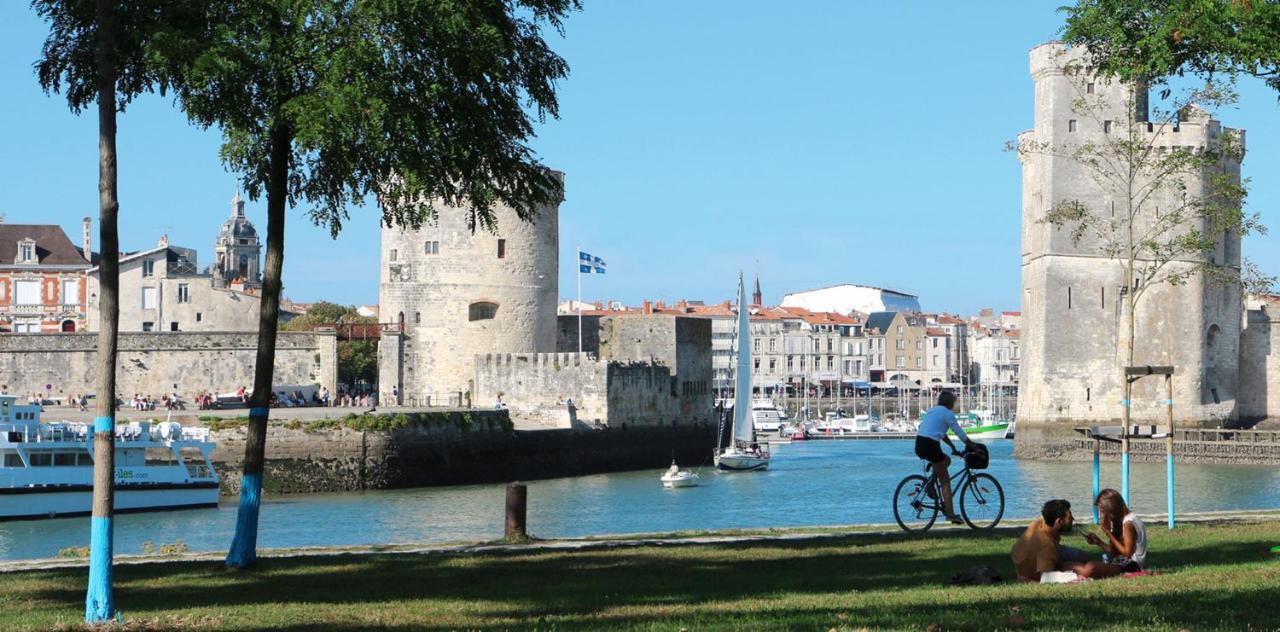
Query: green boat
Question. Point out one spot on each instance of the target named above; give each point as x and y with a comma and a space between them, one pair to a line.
979, 425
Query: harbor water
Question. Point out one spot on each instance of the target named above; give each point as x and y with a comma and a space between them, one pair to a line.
808, 484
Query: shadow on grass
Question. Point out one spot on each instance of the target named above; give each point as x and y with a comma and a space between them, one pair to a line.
587, 588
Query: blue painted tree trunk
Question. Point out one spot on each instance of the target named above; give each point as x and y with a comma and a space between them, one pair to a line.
244, 545
99, 606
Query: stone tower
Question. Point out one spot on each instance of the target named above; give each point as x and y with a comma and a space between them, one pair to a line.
450, 294
237, 250
1073, 310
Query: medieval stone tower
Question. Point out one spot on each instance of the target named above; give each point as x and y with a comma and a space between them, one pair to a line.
455, 294
1073, 307
237, 250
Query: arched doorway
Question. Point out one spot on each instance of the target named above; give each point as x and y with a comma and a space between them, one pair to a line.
68, 326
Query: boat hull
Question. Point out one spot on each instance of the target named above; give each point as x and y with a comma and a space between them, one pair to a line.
26, 503
733, 462
680, 480
987, 431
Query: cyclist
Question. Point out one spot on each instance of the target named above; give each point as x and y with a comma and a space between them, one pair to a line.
929, 437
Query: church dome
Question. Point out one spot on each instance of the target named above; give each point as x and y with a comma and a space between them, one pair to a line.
238, 226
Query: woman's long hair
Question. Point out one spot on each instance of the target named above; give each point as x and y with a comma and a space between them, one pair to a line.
1112, 505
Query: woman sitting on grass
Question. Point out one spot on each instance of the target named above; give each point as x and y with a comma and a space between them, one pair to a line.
1125, 548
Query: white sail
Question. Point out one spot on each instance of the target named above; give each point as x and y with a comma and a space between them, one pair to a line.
742, 424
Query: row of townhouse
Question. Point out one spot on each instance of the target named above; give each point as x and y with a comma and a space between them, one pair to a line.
794, 348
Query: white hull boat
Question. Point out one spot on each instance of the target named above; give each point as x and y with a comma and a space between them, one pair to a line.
765, 416
679, 479
733, 461
743, 454
46, 469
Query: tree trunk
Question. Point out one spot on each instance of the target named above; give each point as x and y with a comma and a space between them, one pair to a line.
99, 605
244, 546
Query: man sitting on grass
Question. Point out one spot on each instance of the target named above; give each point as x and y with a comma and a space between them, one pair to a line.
1038, 549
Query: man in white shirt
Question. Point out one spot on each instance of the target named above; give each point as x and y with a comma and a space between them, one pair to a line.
929, 437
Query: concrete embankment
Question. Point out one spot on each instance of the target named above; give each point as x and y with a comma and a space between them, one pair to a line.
445, 448
1060, 442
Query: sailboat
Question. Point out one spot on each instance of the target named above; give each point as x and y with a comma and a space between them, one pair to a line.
742, 454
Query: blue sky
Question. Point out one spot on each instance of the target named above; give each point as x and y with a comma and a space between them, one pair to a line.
827, 141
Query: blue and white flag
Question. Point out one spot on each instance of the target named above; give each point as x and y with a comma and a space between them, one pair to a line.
588, 264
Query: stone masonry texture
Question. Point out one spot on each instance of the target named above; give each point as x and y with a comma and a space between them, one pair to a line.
152, 363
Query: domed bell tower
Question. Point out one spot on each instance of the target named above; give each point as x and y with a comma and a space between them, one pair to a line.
237, 250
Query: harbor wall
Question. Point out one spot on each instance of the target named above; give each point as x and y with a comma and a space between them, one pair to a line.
450, 448
152, 363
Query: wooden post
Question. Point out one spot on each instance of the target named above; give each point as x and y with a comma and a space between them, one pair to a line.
517, 504
1168, 444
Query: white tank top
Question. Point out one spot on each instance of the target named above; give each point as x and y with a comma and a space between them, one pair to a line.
1140, 540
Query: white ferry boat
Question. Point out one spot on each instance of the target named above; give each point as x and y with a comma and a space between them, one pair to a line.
46, 469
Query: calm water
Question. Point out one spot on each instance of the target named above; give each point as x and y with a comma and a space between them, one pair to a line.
814, 483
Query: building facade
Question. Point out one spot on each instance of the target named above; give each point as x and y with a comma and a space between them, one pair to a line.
448, 293
1073, 307
164, 289
42, 279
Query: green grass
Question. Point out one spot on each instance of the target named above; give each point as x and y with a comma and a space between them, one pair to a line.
1214, 577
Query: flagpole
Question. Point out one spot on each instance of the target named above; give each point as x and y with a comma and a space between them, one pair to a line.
578, 264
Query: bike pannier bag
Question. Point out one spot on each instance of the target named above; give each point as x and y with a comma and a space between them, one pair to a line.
977, 457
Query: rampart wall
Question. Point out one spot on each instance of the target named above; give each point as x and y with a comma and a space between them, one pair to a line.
152, 363
451, 448
1260, 366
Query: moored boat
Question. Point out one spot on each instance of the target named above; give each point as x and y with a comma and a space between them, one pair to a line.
46, 469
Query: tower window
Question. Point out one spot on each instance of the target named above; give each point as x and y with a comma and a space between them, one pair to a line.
1089, 88
1071, 125
1106, 127
417, 318
482, 310
431, 248
392, 255
502, 249
199, 317
1068, 298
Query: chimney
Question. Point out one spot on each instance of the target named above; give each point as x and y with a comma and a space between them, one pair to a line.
88, 240
646, 307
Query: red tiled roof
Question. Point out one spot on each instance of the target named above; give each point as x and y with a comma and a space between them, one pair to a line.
934, 331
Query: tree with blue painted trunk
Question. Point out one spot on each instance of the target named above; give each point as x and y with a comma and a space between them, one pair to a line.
101, 52
329, 104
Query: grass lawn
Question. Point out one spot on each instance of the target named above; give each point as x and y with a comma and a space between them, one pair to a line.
1214, 577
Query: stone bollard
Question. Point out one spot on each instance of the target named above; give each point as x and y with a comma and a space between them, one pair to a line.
517, 503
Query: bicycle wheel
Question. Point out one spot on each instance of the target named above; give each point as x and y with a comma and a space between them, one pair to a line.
982, 502
912, 507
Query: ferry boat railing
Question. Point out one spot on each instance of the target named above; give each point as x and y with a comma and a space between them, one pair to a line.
199, 470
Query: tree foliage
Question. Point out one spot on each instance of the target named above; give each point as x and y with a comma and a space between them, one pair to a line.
1155, 39
411, 102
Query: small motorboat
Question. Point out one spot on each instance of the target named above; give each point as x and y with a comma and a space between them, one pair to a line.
675, 477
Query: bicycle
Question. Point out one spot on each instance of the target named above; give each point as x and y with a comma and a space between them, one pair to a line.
918, 500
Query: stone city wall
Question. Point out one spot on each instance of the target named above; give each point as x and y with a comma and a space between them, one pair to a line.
535, 386
151, 363
450, 448
1260, 366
